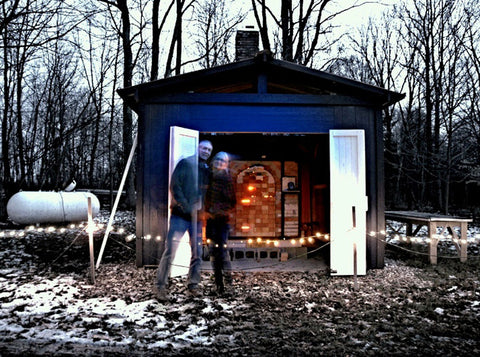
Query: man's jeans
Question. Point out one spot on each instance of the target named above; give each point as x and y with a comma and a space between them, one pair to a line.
178, 227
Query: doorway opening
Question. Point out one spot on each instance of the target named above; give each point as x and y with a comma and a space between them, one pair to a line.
282, 184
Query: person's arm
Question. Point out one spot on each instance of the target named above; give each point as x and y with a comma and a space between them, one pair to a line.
230, 192
177, 187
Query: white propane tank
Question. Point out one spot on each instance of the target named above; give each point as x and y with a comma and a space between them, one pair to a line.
29, 207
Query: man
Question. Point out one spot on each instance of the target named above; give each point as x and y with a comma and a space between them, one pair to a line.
188, 186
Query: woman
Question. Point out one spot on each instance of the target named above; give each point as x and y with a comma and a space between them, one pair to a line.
220, 200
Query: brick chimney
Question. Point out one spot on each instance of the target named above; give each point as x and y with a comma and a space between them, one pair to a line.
246, 43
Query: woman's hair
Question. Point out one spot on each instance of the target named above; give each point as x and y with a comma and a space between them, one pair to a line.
222, 155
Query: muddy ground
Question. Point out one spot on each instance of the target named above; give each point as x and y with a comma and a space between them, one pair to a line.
48, 306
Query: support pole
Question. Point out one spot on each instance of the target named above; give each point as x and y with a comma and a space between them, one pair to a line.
90, 241
355, 279
354, 221
117, 199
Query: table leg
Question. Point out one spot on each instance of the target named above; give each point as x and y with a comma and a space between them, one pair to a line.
463, 242
409, 230
432, 233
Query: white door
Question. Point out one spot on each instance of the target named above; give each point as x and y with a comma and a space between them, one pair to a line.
348, 202
183, 143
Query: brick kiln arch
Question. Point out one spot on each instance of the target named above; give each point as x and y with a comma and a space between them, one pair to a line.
256, 208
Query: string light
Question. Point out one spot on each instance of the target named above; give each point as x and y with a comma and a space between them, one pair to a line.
474, 238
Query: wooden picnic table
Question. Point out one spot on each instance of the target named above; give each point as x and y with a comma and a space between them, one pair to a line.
433, 221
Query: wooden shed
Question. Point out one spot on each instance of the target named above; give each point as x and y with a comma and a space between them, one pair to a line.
310, 140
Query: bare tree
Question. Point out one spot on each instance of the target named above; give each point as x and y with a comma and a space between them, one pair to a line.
214, 25
26, 28
157, 28
124, 31
432, 29
303, 28
176, 43
376, 60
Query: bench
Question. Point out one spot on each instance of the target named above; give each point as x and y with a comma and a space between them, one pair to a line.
433, 222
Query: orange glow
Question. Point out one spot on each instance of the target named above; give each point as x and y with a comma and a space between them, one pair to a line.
245, 227
251, 188
246, 201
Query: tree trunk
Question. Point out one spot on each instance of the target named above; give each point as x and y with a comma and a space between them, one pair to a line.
155, 39
127, 113
287, 45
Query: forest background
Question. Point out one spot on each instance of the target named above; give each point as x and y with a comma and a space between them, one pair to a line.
62, 61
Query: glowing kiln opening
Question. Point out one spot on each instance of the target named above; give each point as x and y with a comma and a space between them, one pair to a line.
256, 209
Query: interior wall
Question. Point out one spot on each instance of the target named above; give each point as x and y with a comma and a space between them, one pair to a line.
258, 199
301, 160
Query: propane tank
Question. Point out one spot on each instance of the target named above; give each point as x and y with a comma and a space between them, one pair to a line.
29, 207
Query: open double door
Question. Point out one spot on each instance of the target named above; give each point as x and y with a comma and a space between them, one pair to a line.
348, 201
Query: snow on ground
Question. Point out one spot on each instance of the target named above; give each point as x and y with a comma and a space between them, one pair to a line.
48, 306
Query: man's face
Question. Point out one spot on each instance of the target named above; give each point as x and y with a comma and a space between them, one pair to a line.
205, 150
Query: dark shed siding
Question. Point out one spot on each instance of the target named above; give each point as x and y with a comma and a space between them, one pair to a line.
252, 96
247, 118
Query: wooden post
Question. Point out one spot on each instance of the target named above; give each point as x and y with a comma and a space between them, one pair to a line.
433, 245
354, 223
90, 241
355, 280
463, 241
409, 229
117, 199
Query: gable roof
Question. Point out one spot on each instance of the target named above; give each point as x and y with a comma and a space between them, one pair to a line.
261, 74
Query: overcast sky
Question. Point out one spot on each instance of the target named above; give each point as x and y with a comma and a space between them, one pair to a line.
352, 18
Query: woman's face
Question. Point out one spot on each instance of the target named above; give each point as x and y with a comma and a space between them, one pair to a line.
219, 164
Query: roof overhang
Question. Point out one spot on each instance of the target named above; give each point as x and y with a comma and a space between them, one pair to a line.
264, 75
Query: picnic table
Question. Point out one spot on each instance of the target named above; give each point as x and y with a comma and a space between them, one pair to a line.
433, 221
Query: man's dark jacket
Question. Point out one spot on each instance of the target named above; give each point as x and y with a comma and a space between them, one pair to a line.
185, 191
